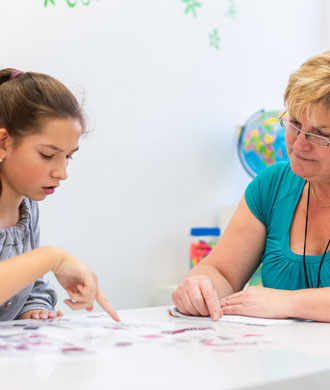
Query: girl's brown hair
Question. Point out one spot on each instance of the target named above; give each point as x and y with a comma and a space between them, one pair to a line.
29, 99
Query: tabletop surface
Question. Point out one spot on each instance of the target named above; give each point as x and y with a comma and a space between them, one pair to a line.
150, 349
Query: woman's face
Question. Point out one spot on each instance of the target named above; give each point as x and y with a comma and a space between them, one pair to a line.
309, 161
38, 163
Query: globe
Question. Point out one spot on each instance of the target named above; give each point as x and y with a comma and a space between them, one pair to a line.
261, 141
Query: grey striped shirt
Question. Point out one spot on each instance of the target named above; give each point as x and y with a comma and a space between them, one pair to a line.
14, 241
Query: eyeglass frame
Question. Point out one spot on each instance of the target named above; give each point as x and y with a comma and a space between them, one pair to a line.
307, 134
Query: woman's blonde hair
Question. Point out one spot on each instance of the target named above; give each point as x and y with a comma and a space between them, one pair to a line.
308, 89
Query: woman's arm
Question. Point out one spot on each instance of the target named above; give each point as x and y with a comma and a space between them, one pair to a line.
310, 304
226, 269
79, 281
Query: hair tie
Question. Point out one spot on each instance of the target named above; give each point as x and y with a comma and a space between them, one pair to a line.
15, 74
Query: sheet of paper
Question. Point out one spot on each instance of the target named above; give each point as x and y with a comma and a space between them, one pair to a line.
238, 319
98, 335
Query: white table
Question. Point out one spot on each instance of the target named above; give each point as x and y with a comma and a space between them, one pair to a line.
155, 351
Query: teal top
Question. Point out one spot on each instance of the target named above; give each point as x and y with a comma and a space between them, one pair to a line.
273, 197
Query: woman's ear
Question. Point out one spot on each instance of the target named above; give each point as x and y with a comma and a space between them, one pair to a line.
5, 142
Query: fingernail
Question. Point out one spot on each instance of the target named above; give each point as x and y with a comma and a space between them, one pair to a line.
215, 316
44, 316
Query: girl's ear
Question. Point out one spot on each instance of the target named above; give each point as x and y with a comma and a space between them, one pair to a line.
5, 142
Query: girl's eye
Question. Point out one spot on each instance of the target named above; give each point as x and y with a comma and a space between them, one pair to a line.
46, 156
69, 158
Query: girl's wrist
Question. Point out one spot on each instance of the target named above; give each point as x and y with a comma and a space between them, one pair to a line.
55, 257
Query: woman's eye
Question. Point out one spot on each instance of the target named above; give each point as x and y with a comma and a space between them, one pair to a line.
295, 123
46, 156
324, 135
69, 158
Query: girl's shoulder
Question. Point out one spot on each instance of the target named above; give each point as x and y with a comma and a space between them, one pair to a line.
30, 211
31, 206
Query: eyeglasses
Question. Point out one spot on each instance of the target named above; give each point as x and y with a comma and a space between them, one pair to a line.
315, 139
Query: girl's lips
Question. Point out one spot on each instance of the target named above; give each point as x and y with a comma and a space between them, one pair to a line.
49, 190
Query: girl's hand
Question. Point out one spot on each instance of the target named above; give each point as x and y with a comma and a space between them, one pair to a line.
257, 302
40, 314
81, 283
196, 296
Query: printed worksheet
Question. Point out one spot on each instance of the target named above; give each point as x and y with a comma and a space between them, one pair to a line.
97, 334
173, 311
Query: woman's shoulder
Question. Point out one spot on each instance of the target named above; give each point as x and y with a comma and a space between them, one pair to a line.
274, 183
277, 170
276, 175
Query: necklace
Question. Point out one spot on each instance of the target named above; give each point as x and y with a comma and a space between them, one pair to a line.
326, 248
316, 199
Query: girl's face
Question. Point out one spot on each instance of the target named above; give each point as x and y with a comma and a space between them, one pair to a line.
309, 161
37, 164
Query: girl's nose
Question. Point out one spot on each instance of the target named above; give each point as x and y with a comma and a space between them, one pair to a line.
60, 172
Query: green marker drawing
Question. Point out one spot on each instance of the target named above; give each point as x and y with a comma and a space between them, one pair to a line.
71, 3
191, 6
232, 11
214, 39
50, 1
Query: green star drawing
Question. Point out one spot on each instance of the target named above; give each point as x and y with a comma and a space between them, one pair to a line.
48, 1
191, 6
214, 39
232, 11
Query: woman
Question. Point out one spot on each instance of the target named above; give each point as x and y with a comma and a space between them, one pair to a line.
281, 221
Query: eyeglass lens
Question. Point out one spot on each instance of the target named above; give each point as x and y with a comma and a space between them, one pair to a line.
313, 138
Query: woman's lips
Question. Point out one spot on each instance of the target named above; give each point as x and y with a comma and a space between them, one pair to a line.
302, 158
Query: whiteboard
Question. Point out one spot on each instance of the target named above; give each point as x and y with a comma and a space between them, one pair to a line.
165, 85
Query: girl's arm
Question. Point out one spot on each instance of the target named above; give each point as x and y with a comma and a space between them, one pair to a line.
226, 269
79, 281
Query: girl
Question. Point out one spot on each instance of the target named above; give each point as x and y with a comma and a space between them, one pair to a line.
41, 123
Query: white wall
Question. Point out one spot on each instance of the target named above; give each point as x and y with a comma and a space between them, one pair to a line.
325, 24
165, 106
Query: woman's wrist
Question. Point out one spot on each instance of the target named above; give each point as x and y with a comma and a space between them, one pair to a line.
292, 303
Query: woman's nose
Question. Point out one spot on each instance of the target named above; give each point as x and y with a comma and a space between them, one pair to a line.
301, 142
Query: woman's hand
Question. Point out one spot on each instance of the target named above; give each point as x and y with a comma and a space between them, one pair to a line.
196, 296
257, 302
81, 283
39, 314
